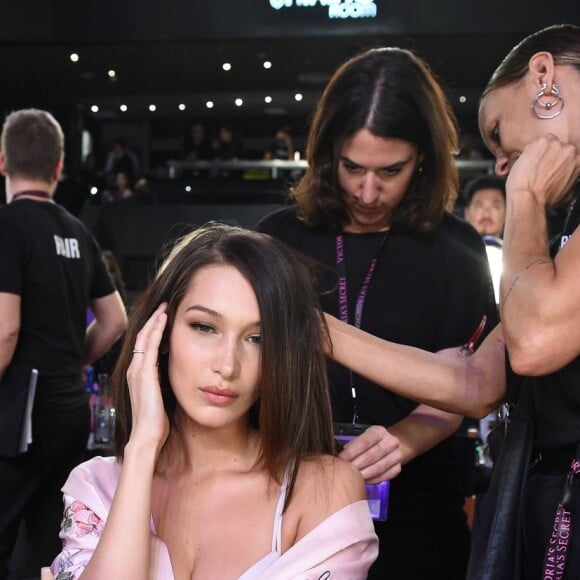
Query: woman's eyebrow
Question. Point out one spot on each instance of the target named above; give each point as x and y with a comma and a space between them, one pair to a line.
401, 162
203, 309
215, 314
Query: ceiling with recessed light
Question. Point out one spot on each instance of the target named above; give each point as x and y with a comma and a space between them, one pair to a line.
134, 56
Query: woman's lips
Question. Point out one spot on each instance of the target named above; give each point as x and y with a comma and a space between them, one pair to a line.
218, 396
367, 211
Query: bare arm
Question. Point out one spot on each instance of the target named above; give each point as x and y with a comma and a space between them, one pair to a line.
471, 386
540, 304
130, 513
129, 517
424, 428
379, 453
110, 322
9, 328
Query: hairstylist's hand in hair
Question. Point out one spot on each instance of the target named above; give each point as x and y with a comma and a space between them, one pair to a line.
547, 169
150, 422
375, 454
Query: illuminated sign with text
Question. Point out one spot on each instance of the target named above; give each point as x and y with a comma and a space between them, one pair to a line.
336, 8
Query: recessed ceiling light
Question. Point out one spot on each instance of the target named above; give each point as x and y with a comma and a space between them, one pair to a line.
152, 108
111, 73
181, 106
94, 190
227, 66
463, 99
123, 108
209, 104
298, 97
188, 188
267, 99
95, 108
267, 64
239, 102
74, 57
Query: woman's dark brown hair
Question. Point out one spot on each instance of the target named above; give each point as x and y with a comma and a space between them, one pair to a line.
293, 413
392, 93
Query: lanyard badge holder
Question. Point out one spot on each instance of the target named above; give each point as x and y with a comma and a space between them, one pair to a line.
377, 493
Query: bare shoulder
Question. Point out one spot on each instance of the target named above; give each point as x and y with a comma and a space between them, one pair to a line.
326, 484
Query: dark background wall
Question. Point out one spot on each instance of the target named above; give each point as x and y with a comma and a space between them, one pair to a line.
86, 21
170, 53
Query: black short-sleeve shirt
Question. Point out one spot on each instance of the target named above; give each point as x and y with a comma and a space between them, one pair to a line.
51, 260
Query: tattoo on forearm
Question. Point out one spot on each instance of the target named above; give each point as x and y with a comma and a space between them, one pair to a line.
537, 261
517, 277
507, 294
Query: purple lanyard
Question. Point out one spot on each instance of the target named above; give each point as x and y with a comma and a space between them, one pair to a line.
557, 550
343, 299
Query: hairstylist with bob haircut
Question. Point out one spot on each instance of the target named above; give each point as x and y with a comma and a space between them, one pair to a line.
373, 208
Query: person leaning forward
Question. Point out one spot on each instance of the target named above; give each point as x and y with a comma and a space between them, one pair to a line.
530, 121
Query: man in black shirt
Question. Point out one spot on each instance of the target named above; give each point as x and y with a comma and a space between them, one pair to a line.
50, 273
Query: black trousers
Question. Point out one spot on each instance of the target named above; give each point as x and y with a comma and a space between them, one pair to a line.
542, 495
30, 485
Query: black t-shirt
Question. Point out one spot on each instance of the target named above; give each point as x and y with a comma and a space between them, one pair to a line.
557, 395
428, 291
50, 259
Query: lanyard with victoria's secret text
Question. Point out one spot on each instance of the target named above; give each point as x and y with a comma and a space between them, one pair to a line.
557, 549
343, 299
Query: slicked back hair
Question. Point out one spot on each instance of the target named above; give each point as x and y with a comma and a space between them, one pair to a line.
561, 40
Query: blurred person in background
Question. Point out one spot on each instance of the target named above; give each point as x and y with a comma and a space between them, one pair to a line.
484, 198
282, 147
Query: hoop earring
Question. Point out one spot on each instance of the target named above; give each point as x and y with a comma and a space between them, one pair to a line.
558, 102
